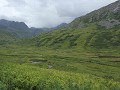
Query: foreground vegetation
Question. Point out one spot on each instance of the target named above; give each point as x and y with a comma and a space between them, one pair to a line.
26, 77
71, 69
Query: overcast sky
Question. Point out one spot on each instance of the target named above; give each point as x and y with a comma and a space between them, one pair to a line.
47, 13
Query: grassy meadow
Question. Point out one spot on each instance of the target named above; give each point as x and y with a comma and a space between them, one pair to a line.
72, 69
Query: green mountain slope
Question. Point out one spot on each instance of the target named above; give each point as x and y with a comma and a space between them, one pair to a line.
62, 37
98, 29
90, 36
6, 37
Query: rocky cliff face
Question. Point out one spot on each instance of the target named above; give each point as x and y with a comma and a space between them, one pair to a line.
107, 14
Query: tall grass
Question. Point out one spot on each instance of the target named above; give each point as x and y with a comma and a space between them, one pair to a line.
25, 77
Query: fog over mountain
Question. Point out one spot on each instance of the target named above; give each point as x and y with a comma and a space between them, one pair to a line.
47, 13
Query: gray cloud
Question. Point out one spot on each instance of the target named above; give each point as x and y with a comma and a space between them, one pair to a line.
47, 13
16, 3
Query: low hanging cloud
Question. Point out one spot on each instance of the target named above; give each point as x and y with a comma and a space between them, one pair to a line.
47, 13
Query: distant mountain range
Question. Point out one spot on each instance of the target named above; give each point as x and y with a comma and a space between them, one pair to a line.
11, 30
13, 25
21, 30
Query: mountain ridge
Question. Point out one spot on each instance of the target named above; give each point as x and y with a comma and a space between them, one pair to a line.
20, 28
15, 26
108, 12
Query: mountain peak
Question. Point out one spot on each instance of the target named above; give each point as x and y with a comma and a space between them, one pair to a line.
13, 24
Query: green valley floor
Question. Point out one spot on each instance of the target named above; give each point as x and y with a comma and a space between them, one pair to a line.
70, 69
